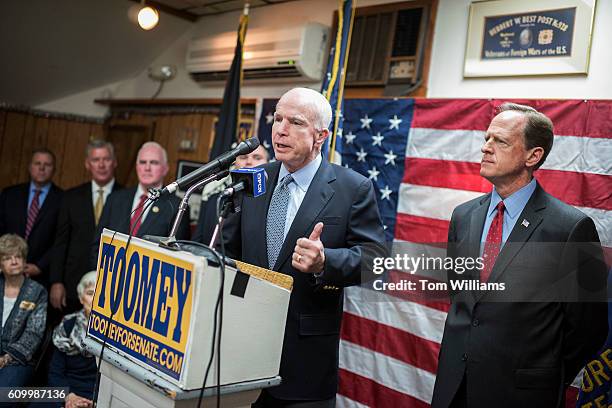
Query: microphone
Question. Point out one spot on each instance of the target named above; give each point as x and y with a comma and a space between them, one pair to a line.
251, 181
221, 162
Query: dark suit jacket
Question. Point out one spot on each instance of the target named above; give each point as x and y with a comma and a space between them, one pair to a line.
207, 220
13, 218
345, 202
75, 232
117, 214
521, 347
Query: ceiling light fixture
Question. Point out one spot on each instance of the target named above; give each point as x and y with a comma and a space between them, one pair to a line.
148, 17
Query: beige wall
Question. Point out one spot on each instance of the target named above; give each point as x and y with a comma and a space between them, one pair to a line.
445, 77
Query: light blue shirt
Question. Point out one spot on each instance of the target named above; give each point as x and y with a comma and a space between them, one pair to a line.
514, 204
44, 190
298, 188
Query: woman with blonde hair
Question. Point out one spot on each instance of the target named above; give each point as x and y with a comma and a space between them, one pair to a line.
24, 313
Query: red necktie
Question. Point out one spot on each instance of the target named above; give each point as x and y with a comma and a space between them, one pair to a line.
32, 213
493, 243
137, 217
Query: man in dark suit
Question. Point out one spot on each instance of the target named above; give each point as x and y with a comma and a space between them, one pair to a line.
315, 223
30, 210
81, 210
126, 211
521, 336
207, 219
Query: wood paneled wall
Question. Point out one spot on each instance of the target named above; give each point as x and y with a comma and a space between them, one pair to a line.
168, 130
20, 132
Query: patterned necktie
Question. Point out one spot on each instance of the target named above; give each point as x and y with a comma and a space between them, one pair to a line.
136, 220
493, 243
275, 226
99, 205
32, 213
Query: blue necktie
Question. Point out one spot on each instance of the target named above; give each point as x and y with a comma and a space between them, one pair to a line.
277, 213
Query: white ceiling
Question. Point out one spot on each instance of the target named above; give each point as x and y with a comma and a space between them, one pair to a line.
53, 48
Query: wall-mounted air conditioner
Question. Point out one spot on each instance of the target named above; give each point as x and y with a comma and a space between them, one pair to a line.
298, 52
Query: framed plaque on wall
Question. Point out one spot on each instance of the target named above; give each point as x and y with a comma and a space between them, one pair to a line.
522, 37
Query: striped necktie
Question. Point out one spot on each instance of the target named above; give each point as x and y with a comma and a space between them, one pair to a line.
277, 213
136, 220
32, 213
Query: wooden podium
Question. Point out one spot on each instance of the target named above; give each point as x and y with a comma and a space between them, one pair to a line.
154, 309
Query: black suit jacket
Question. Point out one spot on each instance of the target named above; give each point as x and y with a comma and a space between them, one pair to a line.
117, 214
522, 346
75, 232
207, 220
345, 202
14, 216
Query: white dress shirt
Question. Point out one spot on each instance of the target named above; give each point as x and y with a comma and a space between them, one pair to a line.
106, 190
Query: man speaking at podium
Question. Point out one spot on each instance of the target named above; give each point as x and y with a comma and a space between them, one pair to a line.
313, 223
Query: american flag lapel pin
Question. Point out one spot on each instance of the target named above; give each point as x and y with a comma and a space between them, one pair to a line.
525, 223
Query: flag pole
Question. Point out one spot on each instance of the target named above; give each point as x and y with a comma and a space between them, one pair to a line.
228, 125
342, 72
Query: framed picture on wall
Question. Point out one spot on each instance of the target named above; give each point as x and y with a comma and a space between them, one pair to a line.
524, 37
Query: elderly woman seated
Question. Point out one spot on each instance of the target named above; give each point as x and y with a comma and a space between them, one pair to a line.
24, 313
71, 365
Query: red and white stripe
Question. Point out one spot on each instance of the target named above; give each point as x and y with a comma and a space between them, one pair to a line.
389, 346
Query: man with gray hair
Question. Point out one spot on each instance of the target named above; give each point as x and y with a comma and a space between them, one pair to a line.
80, 213
314, 223
126, 211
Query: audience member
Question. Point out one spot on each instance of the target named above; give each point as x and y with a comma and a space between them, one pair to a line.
71, 365
81, 210
30, 210
24, 313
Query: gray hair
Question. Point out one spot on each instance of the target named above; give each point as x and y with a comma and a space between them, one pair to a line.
538, 131
157, 145
13, 244
100, 144
318, 105
86, 281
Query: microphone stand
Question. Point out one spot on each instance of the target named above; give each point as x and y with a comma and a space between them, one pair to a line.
171, 240
230, 205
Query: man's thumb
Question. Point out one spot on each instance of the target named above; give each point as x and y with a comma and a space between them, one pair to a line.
315, 235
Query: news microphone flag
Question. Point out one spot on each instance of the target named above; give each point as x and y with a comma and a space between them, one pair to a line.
253, 180
333, 82
226, 130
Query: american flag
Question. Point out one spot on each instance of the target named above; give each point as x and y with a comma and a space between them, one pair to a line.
423, 156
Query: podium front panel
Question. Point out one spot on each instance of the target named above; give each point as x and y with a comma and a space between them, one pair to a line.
155, 307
